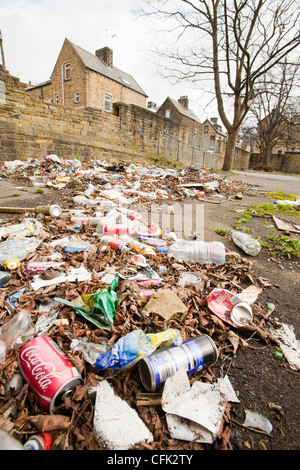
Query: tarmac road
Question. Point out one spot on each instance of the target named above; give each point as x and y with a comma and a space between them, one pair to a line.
270, 181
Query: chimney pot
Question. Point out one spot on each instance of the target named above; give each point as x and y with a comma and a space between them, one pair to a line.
184, 101
105, 54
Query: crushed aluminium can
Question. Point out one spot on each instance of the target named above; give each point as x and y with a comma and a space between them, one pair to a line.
115, 243
48, 371
229, 307
192, 355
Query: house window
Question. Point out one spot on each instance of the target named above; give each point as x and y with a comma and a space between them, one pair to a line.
67, 71
56, 98
212, 137
167, 113
76, 96
107, 103
205, 129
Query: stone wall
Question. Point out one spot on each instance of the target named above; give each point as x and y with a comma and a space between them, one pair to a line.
241, 159
142, 127
288, 162
33, 128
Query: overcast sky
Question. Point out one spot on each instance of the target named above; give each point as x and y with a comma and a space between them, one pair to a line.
33, 33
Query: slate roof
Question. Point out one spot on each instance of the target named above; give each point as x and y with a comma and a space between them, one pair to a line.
96, 64
217, 127
182, 110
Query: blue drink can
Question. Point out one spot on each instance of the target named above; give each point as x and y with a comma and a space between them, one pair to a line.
192, 355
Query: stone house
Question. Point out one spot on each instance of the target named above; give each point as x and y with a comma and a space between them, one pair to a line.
287, 137
81, 79
213, 131
180, 112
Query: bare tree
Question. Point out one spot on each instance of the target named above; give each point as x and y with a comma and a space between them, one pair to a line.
233, 42
276, 111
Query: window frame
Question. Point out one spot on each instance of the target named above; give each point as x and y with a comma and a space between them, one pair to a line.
76, 98
67, 71
56, 95
109, 100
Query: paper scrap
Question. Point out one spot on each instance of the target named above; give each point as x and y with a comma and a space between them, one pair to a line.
115, 422
195, 413
289, 344
257, 421
75, 274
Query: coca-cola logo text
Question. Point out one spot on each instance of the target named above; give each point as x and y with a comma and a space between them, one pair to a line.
43, 372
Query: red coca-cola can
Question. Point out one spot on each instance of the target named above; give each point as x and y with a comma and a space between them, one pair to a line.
48, 371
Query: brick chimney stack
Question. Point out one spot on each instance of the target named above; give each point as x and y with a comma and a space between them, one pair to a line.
184, 101
106, 54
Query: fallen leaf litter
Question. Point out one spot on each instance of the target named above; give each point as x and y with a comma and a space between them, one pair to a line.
73, 426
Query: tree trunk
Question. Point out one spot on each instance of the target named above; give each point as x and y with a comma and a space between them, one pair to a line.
267, 155
230, 150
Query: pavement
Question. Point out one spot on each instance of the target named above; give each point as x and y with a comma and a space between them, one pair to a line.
270, 181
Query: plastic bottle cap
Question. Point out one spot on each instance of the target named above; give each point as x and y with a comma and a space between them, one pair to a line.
11, 263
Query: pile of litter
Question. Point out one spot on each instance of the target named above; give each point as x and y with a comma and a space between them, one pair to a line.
109, 292
135, 182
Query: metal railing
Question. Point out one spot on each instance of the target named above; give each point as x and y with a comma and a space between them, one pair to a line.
200, 152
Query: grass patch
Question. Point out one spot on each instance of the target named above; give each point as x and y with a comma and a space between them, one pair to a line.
264, 244
15, 195
241, 229
246, 217
286, 246
281, 195
223, 231
272, 209
39, 191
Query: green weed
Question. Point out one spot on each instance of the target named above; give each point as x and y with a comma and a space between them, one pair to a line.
241, 229
264, 244
39, 191
223, 231
286, 246
246, 217
272, 209
281, 195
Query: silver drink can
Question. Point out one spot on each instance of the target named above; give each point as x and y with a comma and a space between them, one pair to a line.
192, 355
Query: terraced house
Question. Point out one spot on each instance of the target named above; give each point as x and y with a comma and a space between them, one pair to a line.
82, 79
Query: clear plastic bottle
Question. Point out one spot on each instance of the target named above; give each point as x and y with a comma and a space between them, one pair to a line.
248, 244
198, 251
15, 332
17, 249
8, 442
4, 277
